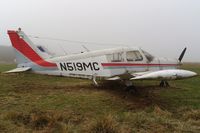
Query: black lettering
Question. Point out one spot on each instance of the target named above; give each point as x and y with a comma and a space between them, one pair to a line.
79, 66
95, 66
91, 66
74, 66
69, 66
86, 66
63, 66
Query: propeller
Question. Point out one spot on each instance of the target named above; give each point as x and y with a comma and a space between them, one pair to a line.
182, 54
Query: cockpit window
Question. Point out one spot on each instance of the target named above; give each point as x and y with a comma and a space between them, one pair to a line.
148, 56
134, 56
115, 57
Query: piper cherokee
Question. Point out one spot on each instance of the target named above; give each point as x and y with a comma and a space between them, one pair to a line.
122, 63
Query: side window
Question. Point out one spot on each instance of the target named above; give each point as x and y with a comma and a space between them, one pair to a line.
115, 57
148, 56
134, 56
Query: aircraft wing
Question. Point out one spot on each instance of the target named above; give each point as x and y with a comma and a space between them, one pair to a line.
127, 76
171, 74
19, 69
140, 73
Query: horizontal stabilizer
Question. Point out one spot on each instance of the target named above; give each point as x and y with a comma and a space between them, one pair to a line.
19, 69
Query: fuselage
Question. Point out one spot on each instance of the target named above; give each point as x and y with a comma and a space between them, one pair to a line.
105, 63
122, 63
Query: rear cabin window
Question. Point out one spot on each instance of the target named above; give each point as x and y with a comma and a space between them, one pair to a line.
133, 56
115, 57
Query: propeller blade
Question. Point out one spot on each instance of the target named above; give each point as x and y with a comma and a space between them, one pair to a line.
182, 54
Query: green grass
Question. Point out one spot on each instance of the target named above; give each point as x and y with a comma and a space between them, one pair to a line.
39, 103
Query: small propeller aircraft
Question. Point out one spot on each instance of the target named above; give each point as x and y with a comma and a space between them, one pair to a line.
122, 63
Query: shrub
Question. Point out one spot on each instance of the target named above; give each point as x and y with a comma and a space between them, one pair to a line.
107, 124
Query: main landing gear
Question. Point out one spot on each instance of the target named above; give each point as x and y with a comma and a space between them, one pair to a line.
164, 83
130, 87
94, 81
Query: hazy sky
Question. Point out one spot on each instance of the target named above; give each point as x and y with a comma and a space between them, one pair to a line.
162, 27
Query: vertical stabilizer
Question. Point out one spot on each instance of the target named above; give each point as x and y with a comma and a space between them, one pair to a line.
26, 51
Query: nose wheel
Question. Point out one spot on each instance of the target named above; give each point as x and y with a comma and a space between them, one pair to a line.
164, 83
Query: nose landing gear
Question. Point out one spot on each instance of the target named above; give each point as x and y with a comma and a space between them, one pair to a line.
164, 83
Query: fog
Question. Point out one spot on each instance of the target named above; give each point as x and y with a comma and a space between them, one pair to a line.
7, 55
162, 27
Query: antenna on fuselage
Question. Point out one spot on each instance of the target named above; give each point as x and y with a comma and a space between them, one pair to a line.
85, 48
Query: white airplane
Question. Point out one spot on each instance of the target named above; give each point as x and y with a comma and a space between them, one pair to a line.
123, 63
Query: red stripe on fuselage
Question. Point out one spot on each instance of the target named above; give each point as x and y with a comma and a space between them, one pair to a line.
133, 64
22, 46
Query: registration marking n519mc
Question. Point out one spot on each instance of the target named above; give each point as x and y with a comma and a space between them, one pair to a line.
79, 66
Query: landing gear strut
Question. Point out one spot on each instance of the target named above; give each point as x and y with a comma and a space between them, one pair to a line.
164, 83
130, 87
94, 81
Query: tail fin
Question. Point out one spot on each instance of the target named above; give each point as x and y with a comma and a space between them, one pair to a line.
26, 51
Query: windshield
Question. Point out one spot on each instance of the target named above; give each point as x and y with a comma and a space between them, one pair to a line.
133, 56
148, 56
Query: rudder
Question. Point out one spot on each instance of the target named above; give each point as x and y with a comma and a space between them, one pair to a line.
26, 51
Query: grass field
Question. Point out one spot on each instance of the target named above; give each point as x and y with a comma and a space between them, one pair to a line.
39, 103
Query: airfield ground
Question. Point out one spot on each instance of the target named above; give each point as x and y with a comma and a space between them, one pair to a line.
38, 103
